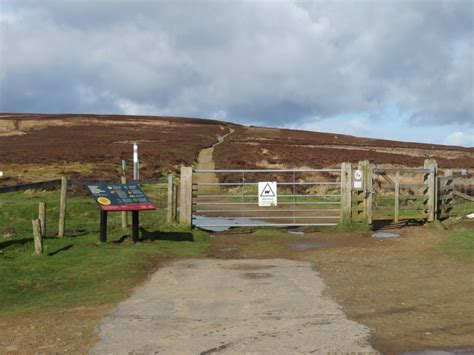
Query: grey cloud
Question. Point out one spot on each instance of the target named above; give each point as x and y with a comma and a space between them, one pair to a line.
268, 62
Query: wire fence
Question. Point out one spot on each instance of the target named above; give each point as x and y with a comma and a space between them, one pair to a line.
463, 187
19, 206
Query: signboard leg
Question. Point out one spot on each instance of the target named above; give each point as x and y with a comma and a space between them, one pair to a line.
120, 197
135, 225
103, 226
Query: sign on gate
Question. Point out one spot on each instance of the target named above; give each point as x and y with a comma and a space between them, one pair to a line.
267, 193
358, 175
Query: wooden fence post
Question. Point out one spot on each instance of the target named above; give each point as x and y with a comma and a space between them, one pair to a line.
186, 196
42, 217
367, 172
62, 207
396, 216
346, 192
169, 210
431, 179
370, 192
124, 215
37, 236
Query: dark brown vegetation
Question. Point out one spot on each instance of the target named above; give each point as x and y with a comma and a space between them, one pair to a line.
252, 147
38, 147
74, 141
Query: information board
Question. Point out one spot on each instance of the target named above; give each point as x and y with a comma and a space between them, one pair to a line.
267, 193
120, 197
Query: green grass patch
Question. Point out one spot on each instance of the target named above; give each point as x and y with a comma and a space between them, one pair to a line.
350, 227
269, 233
78, 270
462, 207
459, 245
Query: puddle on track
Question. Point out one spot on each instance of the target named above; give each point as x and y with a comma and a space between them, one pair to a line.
296, 232
464, 351
228, 250
307, 245
214, 224
385, 235
256, 275
248, 267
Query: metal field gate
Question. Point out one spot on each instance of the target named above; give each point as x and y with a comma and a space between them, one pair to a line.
224, 198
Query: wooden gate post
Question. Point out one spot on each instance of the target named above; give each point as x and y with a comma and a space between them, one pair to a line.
62, 207
367, 171
175, 202
170, 207
370, 191
346, 192
396, 216
186, 196
431, 179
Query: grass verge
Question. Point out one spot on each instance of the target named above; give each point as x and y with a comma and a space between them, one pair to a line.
78, 270
459, 245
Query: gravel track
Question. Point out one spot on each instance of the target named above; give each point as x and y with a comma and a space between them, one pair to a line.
231, 306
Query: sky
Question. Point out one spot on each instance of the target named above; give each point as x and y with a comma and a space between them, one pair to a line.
400, 70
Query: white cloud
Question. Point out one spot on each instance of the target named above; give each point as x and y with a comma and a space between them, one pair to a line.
267, 62
359, 126
130, 107
465, 138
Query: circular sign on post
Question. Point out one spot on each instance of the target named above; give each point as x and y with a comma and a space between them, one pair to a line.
358, 179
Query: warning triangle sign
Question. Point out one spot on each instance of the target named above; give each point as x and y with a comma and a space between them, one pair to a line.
267, 191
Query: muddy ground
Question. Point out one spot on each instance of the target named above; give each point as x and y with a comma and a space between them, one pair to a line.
410, 294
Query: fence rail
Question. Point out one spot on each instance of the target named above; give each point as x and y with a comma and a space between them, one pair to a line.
63, 211
267, 171
72, 182
31, 186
